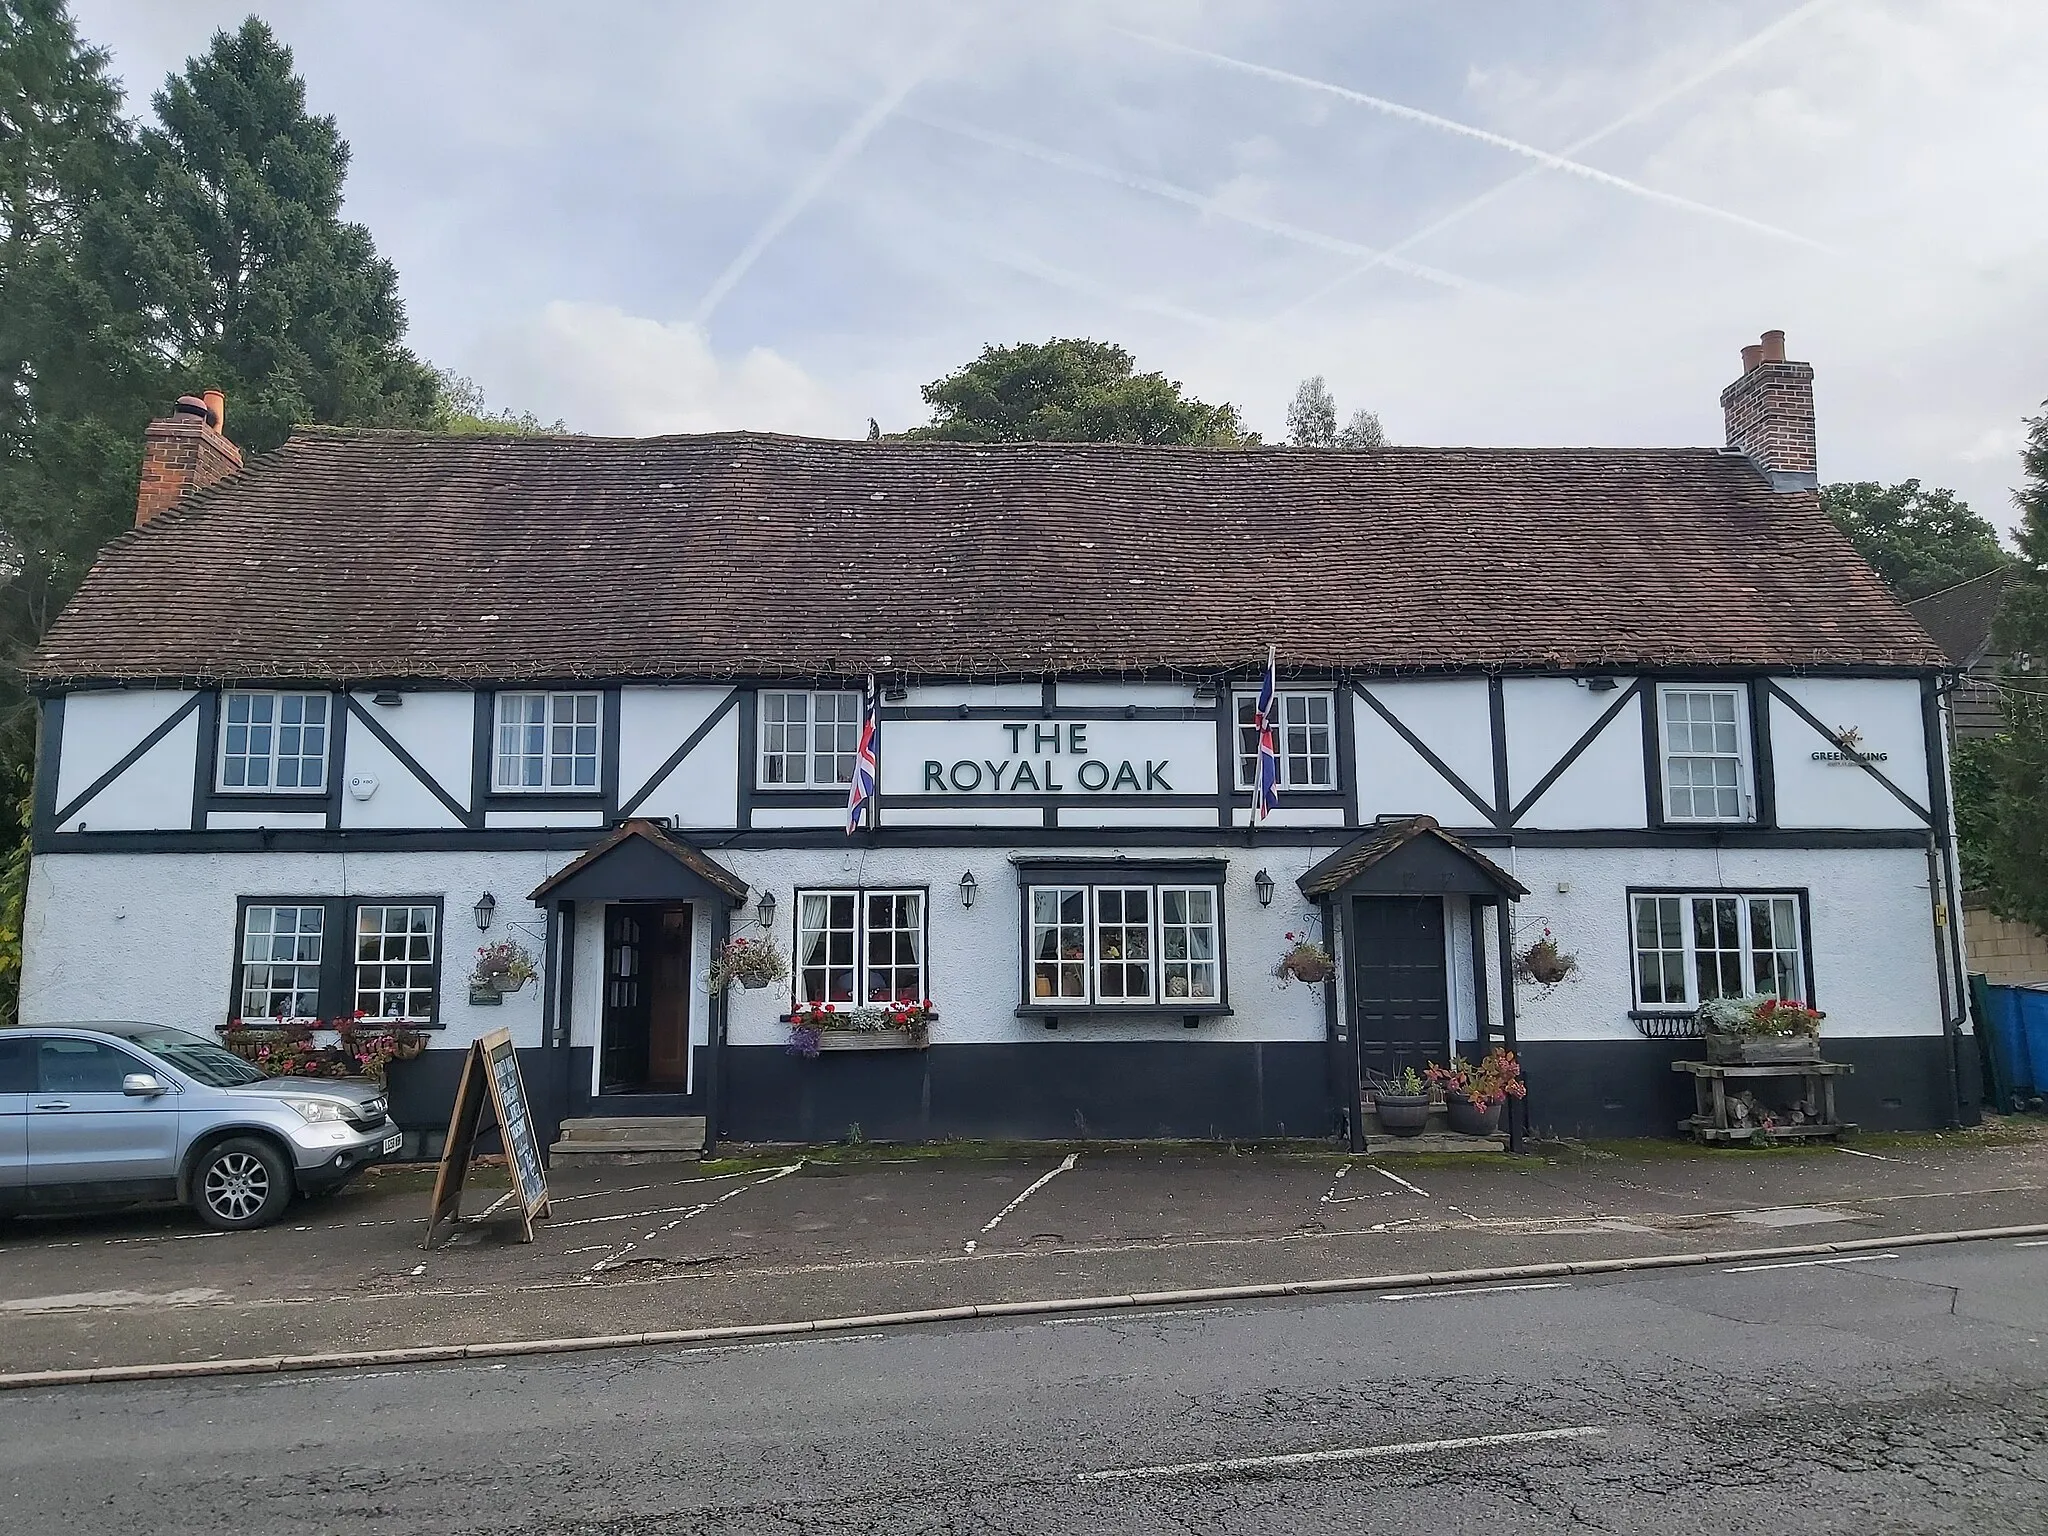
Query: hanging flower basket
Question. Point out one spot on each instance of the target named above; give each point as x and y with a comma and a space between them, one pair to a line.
503, 967
753, 963
1545, 964
1304, 960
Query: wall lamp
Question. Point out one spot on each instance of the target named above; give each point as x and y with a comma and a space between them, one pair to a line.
1599, 684
390, 698
968, 887
486, 906
1263, 884
764, 909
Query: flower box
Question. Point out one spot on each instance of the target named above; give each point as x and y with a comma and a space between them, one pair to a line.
1725, 1050
872, 1039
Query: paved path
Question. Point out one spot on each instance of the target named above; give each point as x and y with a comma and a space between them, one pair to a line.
1901, 1395
666, 1246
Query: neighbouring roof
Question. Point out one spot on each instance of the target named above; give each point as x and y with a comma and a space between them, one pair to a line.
1379, 842
357, 555
1959, 617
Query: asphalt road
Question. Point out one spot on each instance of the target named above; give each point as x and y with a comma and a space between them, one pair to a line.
1883, 1395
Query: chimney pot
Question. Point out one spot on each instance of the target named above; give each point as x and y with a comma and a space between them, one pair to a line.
217, 403
182, 452
1769, 414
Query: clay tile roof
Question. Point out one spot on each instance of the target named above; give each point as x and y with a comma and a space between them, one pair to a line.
1375, 843
356, 555
683, 851
1959, 617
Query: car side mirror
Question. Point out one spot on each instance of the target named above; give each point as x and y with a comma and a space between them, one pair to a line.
143, 1085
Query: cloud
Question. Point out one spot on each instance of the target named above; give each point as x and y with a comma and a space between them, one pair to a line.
608, 372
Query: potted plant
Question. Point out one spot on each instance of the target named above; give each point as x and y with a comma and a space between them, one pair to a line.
753, 963
1759, 1031
1304, 960
1474, 1091
1402, 1103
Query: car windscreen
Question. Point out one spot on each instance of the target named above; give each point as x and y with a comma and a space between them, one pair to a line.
198, 1059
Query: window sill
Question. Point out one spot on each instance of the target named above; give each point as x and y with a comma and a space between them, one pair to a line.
1190, 1016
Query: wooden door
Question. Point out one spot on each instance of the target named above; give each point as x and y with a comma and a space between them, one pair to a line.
1400, 984
668, 1037
626, 1015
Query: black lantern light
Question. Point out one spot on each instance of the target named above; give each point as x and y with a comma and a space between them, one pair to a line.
765, 909
486, 905
968, 886
1263, 884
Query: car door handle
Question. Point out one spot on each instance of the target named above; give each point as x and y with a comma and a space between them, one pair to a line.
56, 1104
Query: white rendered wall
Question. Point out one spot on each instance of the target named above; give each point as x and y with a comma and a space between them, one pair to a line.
437, 730
155, 793
1451, 719
1827, 794
1872, 939
702, 790
1544, 718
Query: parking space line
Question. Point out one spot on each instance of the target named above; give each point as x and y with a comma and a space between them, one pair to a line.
1854, 1258
619, 1251
1344, 1453
1385, 1174
996, 1220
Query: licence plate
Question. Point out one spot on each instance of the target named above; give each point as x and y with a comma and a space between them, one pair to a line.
393, 1143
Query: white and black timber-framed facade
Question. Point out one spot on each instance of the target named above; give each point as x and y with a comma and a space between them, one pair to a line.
298, 724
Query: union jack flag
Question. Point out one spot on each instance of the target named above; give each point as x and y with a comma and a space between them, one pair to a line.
1267, 793
862, 791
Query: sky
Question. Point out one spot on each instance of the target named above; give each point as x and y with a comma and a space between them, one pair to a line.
1493, 222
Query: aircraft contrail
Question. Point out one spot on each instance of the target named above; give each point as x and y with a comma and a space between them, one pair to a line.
847, 146
1544, 157
1193, 199
1086, 287
1634, 115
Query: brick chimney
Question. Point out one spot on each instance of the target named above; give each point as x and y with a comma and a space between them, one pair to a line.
185, 451
1769, 411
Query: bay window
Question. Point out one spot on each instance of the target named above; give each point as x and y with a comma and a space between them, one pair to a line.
1123, 944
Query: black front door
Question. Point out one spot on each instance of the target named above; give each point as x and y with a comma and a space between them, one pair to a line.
1400, 985
628, 1014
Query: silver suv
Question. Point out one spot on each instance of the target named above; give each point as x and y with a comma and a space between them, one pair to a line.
117, 1114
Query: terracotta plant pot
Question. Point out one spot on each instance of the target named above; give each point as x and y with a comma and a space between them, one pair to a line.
1468, 1119
1402, 1114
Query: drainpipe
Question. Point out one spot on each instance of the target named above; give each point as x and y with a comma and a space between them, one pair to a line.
1944, 898
1345, 1065
1517, 1114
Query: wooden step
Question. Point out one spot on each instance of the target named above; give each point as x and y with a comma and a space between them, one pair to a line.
631, 1139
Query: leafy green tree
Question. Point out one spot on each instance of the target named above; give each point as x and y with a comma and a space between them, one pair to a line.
1312, 415
234, 242
1918, 541
1361, 432
1070, 391
460, 409
2017, 839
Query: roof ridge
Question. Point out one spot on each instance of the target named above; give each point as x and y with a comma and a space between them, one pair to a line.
2003, 568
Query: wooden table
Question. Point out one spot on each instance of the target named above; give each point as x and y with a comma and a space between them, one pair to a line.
1710, 1097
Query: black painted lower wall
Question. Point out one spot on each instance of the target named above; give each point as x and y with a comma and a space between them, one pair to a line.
1138, 1090
1610, 1088
1097, 1089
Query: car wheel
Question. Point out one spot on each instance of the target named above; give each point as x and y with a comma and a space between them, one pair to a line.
240, 1184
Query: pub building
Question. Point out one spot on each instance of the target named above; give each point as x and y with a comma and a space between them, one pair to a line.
323, 725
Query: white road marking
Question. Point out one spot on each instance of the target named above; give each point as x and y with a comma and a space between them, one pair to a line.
1383, 1173
492, 1207
418, 1270
670, 1210
1331, 1193
997, 1219
1857, 1152
1855, 1258
2041, 1243
78, 1301
614, 1258
1477, 1290
1345, 1453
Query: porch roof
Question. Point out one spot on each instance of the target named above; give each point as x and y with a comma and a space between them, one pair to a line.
1412, 855
639, 861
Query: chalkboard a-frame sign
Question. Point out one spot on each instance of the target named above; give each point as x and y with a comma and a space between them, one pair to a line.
489, 1073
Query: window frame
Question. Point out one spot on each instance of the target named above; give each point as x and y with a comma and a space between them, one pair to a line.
329, 727
1745, 754
496, 756
335, 996
1687, 894
1157, 883
810, 782
1246, 769
861, 895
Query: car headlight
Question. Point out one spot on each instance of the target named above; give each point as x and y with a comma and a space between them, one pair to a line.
317, 1111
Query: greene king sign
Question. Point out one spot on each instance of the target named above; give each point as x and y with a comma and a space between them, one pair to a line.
1048, 757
